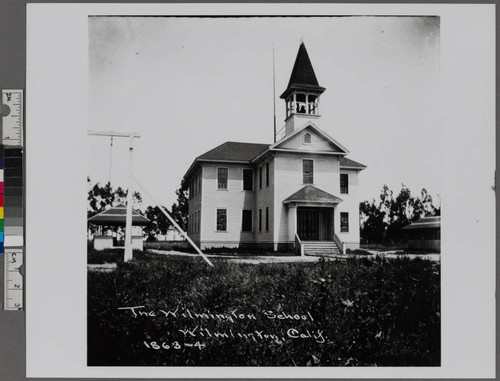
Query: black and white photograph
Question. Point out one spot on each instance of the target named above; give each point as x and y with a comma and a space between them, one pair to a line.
264, 191
260, 190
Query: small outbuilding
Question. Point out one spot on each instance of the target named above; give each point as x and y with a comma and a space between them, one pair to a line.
111, 225
424, 233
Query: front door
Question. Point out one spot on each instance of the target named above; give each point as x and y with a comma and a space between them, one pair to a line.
308, 224
315, 224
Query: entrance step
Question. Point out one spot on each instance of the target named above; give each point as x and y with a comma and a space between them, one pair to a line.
321, 248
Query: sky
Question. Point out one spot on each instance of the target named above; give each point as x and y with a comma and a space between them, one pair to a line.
189, 84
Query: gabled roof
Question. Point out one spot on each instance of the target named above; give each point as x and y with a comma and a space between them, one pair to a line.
117, 216
348, 163
312, 126
431, 222
234, 151
230, 152
312, 195
303, 76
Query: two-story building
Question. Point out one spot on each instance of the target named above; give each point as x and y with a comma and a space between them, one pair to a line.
301, 190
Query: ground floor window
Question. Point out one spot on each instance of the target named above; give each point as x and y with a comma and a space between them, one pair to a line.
344, 222
246, 221
260, 220
221, 219
267, 219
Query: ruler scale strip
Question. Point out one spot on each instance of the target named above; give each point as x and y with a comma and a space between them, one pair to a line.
11, 198
13, 280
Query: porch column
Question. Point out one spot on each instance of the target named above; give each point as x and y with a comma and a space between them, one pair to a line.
292, 222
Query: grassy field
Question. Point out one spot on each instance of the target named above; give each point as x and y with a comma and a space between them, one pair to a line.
355, 312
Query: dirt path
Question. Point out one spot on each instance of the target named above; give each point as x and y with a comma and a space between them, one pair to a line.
292, 259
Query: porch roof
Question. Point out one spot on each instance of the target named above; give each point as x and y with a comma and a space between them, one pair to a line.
117, 216
309, 194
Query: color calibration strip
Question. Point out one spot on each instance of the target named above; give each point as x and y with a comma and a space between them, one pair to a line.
11, 198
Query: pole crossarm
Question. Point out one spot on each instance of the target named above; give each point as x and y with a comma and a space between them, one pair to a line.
114, 133
176, 225
128, 253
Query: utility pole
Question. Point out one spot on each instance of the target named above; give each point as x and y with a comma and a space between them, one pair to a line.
274, 97
128, 219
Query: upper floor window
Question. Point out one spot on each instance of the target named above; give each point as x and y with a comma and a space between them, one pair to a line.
307, 171
221, 220
307, 138
344, 222
344, 183
221, 178
246, 221
248, 179
260, 177
267, 174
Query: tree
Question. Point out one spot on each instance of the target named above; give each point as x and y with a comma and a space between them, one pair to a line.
383, 222
372, 224
180, 209
101, 197
160, 224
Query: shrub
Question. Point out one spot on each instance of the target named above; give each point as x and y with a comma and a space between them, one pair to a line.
358, 252
372, 311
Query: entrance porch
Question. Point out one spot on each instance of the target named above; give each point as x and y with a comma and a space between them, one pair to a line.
311, 220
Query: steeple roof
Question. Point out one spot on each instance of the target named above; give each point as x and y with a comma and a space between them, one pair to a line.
303, 76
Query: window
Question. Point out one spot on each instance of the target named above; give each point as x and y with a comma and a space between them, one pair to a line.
260, 220
246, 221
344, 222
267, 219
221, 220
199, 220
260, 177
248, 179
267, 174
221, 178
307, 171
199, 183
307, 138
344, 183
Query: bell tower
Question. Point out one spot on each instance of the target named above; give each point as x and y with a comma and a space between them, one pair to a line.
302, 93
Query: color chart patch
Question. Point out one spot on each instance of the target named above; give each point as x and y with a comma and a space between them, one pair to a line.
12, 209
2, 236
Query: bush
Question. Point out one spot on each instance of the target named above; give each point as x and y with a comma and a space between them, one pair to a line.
358, 252
99, 257
372, 311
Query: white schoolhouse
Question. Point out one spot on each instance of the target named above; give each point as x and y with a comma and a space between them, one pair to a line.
300, 192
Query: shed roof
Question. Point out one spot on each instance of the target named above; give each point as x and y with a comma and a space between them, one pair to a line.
431, 222
117, 215
348, 163
311, 194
